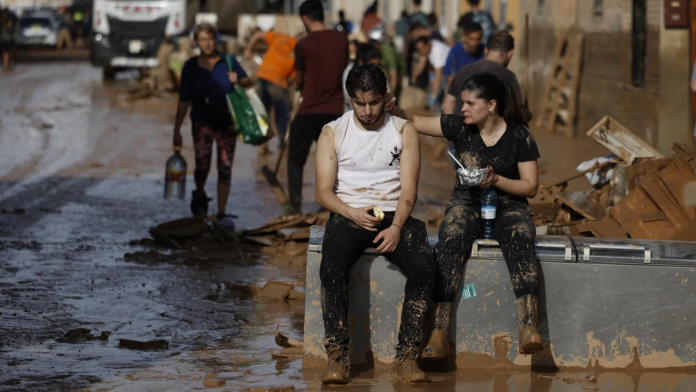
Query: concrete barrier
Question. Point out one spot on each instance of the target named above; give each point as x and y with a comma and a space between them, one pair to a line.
603, 304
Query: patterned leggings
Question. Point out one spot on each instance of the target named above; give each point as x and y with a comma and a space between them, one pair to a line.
203, 137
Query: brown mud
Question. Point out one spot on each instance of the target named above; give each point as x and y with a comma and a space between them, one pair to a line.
80, 186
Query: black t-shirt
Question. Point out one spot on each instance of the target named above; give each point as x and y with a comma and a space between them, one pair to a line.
517, 144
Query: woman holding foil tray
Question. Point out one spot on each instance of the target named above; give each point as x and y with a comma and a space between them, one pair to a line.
490, 134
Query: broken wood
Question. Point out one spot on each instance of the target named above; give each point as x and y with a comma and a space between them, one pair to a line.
596, 167
580, 203
690, 195
620, 141
628, 213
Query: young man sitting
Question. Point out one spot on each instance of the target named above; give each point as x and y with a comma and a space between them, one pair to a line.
367, 159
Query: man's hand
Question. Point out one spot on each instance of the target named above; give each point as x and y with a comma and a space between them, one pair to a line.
389, 102
362, 218
233, 77
390, 239
490, 180
248, 54
177, 140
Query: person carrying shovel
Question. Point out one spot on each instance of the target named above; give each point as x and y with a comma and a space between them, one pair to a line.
205, 82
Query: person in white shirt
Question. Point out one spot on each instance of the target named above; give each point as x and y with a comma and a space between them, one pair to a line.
367, 159
433, 53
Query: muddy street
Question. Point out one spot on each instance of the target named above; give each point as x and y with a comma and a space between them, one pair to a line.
81, 179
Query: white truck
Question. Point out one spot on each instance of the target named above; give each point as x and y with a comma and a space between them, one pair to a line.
128, 33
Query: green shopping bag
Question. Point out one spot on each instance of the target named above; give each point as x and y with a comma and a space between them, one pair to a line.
249, 116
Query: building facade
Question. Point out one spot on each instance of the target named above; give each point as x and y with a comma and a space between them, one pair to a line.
634, 68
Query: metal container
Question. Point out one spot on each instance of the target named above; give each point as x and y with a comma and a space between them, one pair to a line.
175, 177
603, 303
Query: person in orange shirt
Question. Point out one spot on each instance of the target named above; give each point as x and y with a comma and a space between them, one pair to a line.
275, 74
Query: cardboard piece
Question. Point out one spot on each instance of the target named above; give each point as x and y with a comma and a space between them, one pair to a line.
276, 290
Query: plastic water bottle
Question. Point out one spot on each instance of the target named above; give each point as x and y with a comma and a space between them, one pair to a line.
489, 206
175, 177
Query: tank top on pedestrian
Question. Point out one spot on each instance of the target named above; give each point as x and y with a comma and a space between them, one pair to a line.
369, 162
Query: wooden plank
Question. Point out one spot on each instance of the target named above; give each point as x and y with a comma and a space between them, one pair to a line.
576, 46
635, 173
690, 194
628, 211
658, 192
687, 233
675, 182
580, 202
547, 118
620, 141
686, 170
611, 228
654, 217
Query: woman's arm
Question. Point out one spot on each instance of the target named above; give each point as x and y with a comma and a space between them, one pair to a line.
181, 110
526, 186
426, 125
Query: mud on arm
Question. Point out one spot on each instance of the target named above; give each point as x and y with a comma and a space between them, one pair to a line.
410, 172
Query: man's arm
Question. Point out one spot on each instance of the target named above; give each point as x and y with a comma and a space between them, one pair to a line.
437, 82
326, 167
259, 35
419, 68
394, 79
448, 104
410, 171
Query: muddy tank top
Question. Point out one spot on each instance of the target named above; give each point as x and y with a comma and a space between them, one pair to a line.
369, 163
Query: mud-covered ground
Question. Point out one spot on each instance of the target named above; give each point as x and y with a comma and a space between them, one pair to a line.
81, 171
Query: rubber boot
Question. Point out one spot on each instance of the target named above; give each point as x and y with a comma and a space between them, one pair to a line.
337, 368
528, 310
438, 344
407, 370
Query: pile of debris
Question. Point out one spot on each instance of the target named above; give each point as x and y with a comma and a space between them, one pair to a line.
637, 192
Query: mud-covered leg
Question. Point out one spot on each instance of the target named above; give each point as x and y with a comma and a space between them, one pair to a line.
344, 243
457, 234
516, 234
414, 258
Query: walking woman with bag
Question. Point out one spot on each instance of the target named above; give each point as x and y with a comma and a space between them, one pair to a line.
206, 80
491, 132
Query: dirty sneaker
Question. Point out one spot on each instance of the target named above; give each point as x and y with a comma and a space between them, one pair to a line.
337, 368
199, 205
407, 370
438, 345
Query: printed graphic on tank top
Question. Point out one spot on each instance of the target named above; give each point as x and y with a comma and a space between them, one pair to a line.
369, 165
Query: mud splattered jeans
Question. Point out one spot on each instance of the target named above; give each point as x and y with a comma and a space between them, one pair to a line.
203, 137
514, 230
344, 243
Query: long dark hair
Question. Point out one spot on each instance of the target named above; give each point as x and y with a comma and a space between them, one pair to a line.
488, 87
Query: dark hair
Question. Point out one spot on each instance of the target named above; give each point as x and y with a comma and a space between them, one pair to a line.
404, 14
474, 3
364, 78
432, 19
366, 53
500, 41
472, 27
416, 26
205, 28
341, 14
423, 40
488, 87
417, 3
313, 9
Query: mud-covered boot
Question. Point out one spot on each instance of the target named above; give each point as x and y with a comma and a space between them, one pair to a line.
528, 310
407, 370
337, 368
438, 344
199, 205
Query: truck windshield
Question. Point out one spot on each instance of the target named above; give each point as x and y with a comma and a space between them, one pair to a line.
31, 22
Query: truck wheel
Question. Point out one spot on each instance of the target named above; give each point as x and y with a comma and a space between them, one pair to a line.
108, 73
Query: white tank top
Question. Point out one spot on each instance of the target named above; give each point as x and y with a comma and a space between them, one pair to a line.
369, 163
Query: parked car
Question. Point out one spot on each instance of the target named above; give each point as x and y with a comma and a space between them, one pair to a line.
38, 28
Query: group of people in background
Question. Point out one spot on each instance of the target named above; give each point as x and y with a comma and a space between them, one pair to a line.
368, 155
